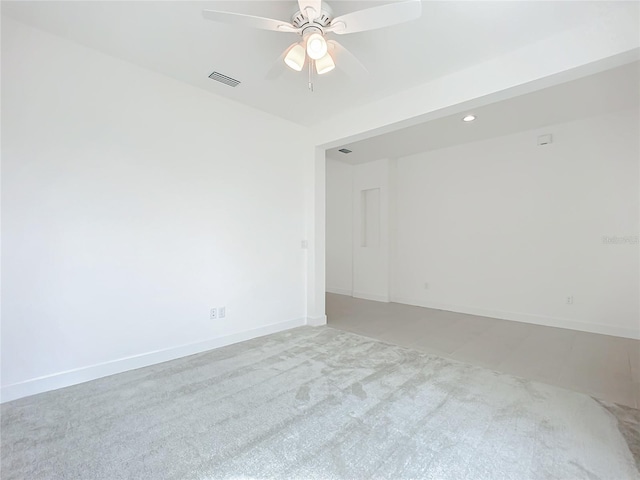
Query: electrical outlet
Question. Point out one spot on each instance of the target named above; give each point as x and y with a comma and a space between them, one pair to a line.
570, 300
213, 313
222, 312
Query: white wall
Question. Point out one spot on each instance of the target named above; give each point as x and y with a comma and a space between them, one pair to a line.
371, 261
339, 227
131, 204
354, 268
508, 229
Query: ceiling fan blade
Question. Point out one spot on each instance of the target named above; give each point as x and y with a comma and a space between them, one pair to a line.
376, 17
249, 21
314, 8
347, 61
279, 66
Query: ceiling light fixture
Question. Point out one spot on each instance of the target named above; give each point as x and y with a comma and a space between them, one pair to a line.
295, 58
316, 46
312, 20
325, 64
469, 118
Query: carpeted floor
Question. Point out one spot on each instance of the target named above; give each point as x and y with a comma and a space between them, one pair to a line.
315, 403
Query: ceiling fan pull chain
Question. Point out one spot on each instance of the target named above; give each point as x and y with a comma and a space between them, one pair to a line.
311, 75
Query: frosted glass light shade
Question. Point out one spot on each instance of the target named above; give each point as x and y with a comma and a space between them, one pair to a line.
295, 58
325, 64
316, 46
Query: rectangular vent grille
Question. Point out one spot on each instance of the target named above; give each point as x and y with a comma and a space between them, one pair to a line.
344, 150
218, 77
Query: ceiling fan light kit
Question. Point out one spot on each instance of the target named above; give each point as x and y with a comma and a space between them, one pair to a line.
295, 57
325, 64
316, 46
314, 20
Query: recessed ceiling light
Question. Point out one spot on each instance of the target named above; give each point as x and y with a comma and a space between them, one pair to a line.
469, 118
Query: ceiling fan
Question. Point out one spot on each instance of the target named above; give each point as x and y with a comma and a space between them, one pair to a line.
313, 21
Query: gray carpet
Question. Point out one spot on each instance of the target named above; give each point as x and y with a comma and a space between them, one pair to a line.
312, 403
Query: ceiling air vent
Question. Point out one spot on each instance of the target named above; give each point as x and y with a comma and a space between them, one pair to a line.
218, 77
344, 150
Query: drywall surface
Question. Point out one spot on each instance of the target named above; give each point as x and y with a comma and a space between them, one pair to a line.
339, 227
131, 205
371, 230
357, 227
509, 229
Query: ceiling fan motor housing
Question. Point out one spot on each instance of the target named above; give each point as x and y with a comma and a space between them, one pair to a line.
300, 20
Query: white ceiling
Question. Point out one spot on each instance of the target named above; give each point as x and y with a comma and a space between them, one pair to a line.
608, 91
172, 38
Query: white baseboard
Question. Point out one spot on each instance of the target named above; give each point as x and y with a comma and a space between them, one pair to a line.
527, 318
317, 321
364, 296
85, 374
338, 291
371, 296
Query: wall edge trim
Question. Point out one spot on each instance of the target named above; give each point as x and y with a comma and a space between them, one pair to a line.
535, 319
68, 378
